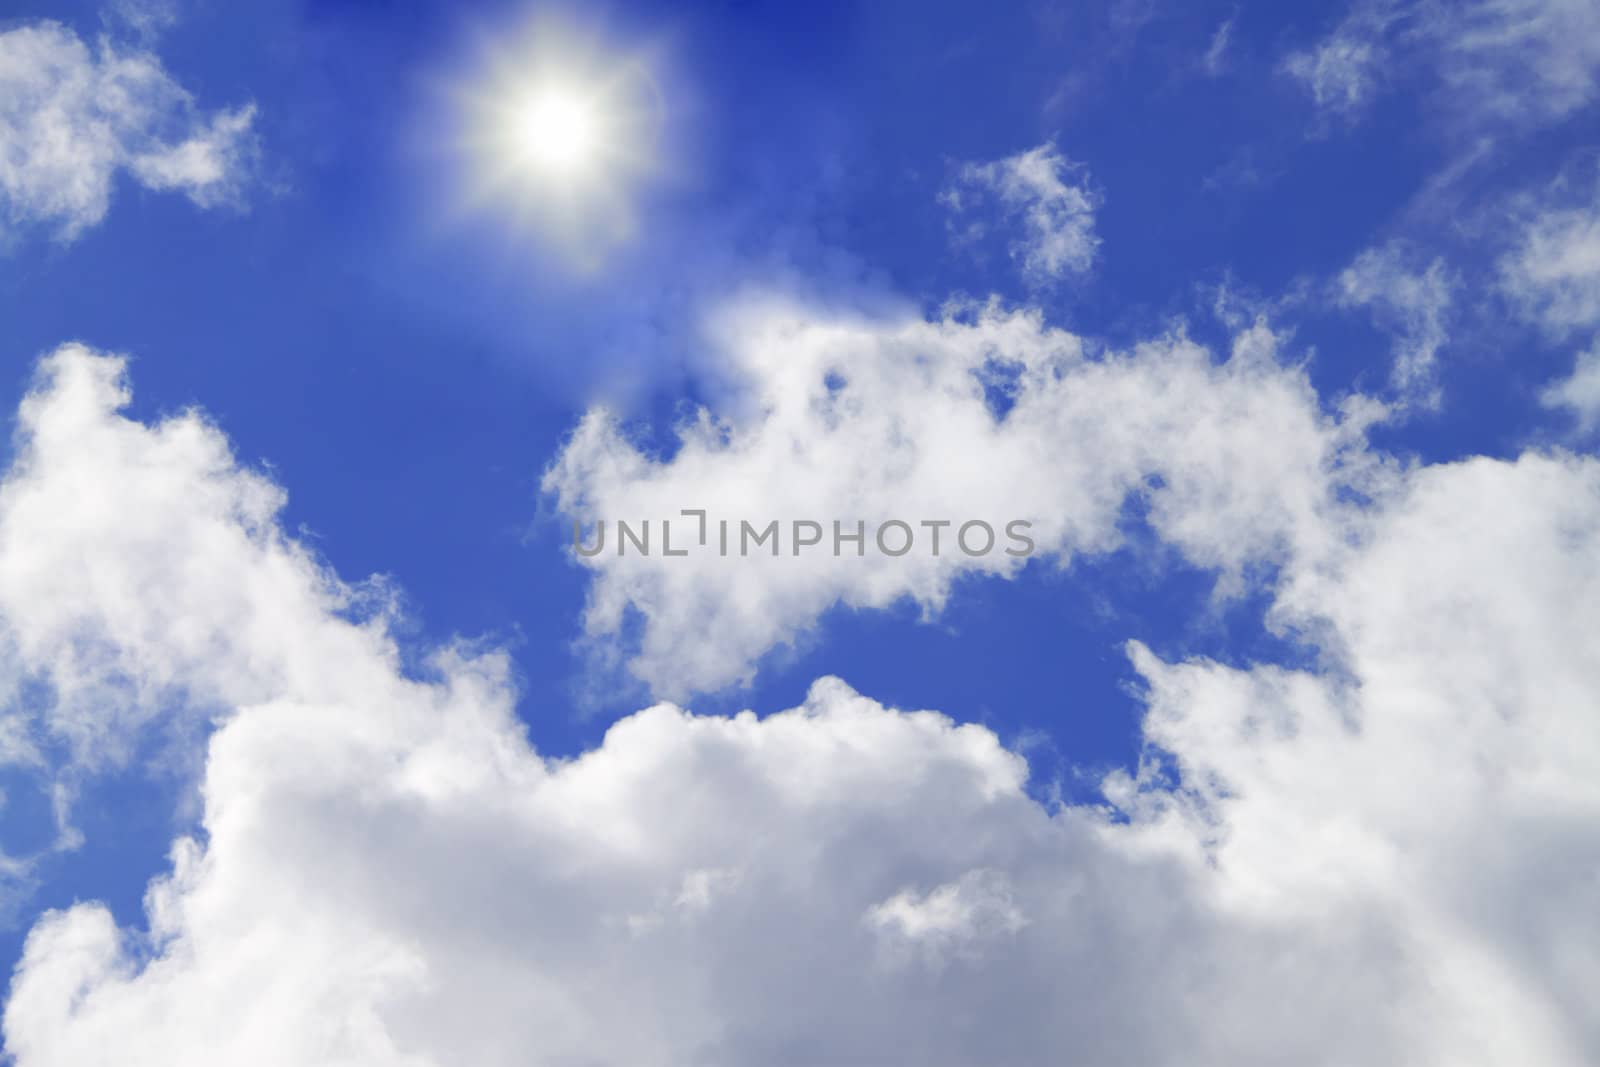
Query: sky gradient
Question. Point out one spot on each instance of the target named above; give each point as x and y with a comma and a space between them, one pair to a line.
1276, 324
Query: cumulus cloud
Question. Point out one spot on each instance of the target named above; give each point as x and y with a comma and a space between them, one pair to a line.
96, 512
1389, 860
72, 118
986, 415
1036, 195
1412, 302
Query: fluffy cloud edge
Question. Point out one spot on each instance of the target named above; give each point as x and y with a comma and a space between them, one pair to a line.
388, 872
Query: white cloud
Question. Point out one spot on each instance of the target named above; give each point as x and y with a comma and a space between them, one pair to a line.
1579, 392
1035, 194
1393, 861
95, 513
1519, 58
1341, 73
1515, 62
988, 416
1554, 272
72, 119
1450, 780
145, 19
1411, 301
954, 918
1216, 57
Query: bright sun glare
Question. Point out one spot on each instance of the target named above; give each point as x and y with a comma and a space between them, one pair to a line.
559, 130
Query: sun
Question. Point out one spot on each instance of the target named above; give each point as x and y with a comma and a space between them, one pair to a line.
559, 130
557, 133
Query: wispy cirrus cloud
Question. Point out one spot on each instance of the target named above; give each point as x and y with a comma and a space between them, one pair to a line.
1410, 299
1215, 60
1552, 271
1579, 392
1551, 274
1489, 62
1342, 73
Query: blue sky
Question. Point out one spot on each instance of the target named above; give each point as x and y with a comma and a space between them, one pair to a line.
1294, 303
